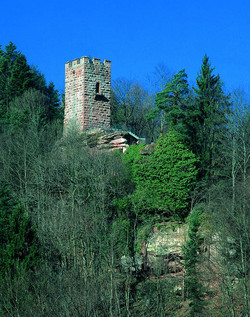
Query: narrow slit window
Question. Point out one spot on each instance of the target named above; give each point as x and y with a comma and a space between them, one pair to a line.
98, 88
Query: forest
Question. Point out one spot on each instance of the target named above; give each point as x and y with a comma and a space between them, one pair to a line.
75, 221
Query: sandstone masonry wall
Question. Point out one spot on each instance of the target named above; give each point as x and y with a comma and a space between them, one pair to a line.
87, 93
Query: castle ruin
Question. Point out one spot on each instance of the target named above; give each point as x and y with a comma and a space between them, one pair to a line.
87, 94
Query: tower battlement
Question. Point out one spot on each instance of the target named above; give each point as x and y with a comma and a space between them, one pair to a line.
85, 59
87, 93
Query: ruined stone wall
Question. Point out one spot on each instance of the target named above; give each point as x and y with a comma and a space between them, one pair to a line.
87, 93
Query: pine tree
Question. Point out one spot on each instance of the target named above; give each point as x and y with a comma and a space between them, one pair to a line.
19, 250
212, 107
172, 100
193, 286
21, 77
16, 77
54, 110
13, 73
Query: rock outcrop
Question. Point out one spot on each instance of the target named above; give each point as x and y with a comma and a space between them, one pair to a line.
110, 140
163, 249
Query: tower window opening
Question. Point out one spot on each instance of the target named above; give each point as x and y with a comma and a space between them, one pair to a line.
98, 88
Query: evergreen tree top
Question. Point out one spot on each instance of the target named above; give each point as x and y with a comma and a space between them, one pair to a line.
16, 77
174, 91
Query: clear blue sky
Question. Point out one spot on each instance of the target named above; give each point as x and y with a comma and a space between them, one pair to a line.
135, 35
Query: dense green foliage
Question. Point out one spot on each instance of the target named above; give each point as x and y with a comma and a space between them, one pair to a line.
79, 227
165, 178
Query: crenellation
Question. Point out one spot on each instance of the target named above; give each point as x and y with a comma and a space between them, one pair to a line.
96, 60
75, 61
85, 60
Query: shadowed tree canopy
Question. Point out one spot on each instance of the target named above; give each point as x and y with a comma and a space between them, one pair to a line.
16, 77
19, 248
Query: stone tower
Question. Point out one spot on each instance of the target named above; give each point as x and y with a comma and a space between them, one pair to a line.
87, 93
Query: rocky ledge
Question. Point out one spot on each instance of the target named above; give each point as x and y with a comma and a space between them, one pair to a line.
110, 140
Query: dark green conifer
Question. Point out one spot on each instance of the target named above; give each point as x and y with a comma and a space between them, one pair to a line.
172, 100
19, 250
212, 107
16, 77
193, 286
